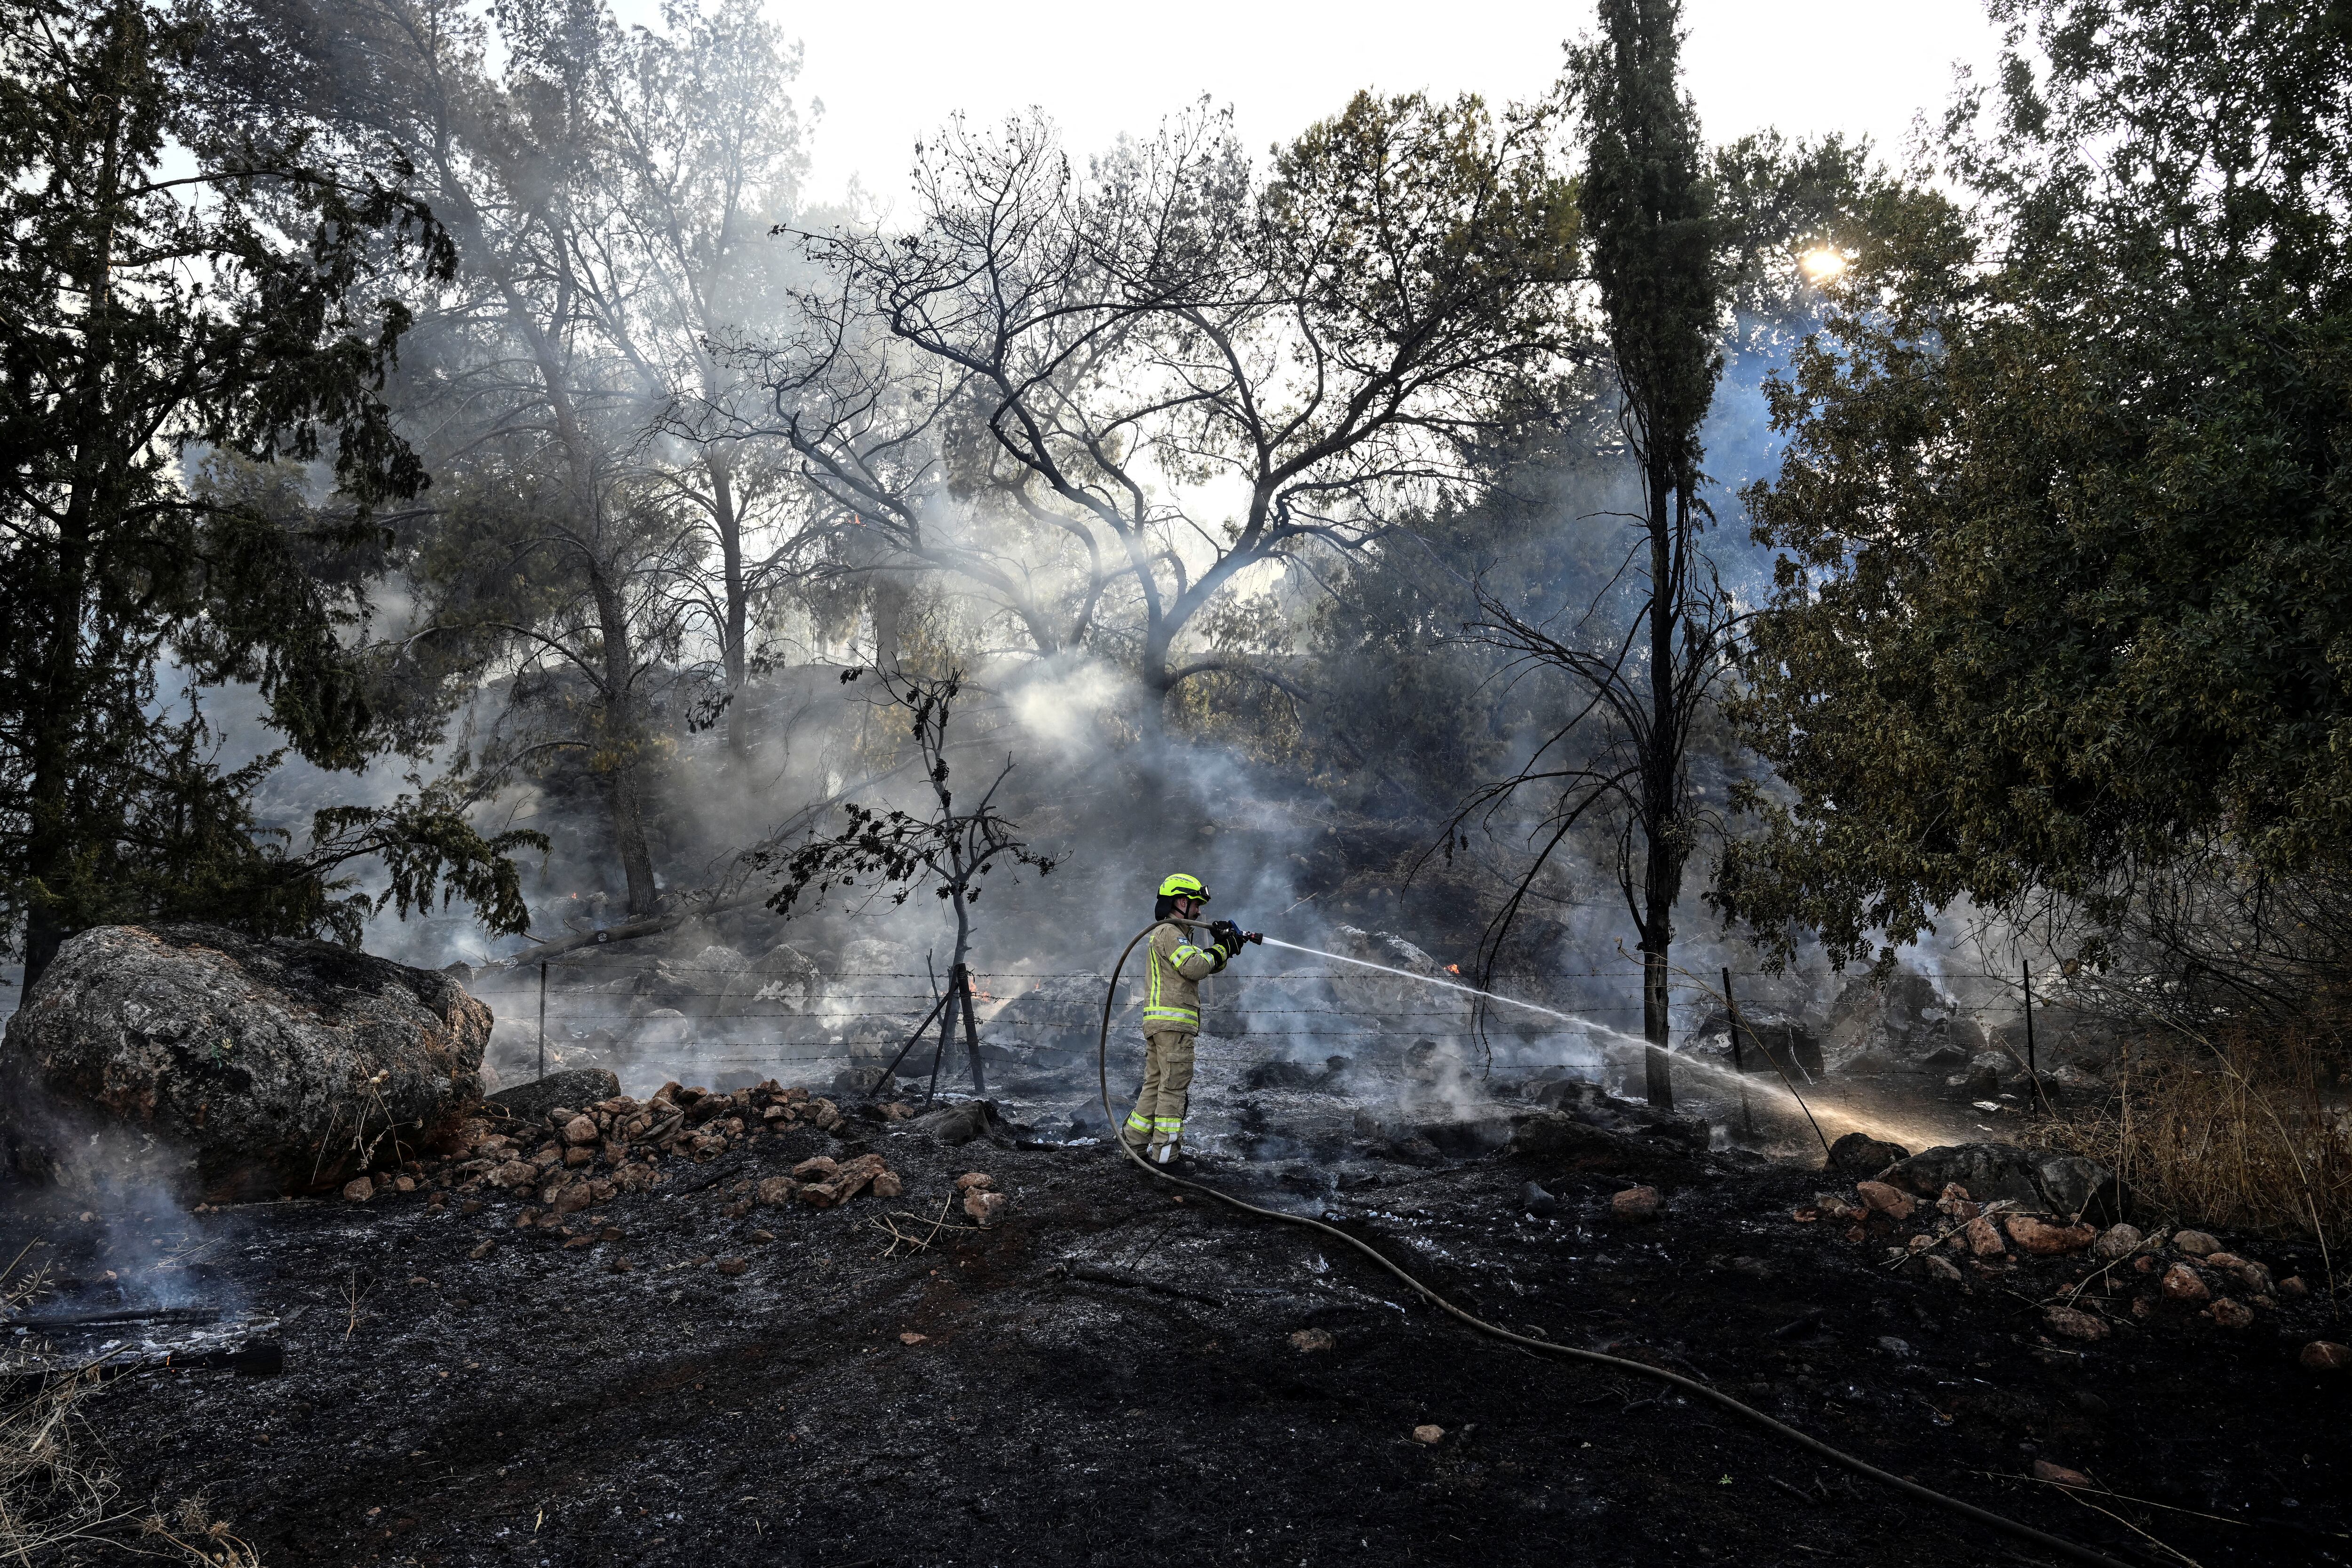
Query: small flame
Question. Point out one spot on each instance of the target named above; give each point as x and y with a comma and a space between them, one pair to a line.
1821, 264
1453, 969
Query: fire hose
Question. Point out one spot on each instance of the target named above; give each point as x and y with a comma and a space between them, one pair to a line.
1689, 1385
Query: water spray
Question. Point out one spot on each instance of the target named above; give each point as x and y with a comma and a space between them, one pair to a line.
1441, 984
1619, 1365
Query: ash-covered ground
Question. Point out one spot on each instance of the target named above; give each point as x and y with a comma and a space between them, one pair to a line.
1112, 1373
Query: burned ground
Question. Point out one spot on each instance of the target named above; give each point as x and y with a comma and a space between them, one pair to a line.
1110, 1375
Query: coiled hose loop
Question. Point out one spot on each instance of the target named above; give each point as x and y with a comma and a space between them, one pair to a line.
1691, 1386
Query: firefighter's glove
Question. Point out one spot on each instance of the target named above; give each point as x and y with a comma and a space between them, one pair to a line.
1227, 937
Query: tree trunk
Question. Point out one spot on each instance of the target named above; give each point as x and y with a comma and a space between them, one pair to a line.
1662, 866
737, 635
618, 748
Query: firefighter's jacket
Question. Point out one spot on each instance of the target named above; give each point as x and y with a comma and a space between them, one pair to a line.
1172, 997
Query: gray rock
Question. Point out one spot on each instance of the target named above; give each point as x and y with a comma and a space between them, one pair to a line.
226, 1068
781, 983
1537, 1202
2117, 1241
573, 1087
870, 1081
1901, 1020
2075, 1185
1560, 1140
955, 1125
1062, 1016
1860, 1154
2034, 1179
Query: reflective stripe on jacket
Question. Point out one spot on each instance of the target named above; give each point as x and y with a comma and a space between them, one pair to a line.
1172, 998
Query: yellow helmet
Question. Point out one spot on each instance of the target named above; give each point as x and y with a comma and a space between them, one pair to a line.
1180, 886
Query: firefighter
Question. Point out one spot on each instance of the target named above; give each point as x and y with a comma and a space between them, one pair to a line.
1174, 966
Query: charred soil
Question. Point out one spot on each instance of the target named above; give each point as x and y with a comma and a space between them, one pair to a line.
1111, 1375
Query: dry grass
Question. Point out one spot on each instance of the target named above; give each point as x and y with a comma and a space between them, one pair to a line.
55, 1490
49, 1493
2239, 1133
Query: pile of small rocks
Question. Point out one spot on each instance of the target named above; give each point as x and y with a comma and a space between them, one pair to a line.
1955, 1238
574, 1158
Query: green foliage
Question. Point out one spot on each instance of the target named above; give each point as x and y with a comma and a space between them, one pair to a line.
1650, 229
2065, 590
146, 316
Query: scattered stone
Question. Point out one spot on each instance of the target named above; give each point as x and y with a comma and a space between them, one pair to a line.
1941, 1269
912, 1338
482, 1249
403, 1184
732, 1266
1534, 1200
2073, 1323
1892, 1202
776, 1192
985, 1206
2181, 1283
1954, 1203
2117, 1241
2043, 1470
822, 1168
2195, 1242
2324, 1355
848, 1179
359, 1189
972, 1181
1836, 1205
1637, 1205
1860, 1154
1308, 1341
2045, 1240
889, 1184
2293, 1288
1432, 1435
1983, 1240
581, 1131
2229, 1314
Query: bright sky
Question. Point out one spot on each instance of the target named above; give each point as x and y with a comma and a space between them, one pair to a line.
887, 76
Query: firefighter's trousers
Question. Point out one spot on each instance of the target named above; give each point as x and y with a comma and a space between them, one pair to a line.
1158, 1118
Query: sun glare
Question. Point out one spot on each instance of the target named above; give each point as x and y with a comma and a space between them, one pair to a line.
1821, 265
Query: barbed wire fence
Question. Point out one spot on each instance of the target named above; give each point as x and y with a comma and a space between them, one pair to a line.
740, 1019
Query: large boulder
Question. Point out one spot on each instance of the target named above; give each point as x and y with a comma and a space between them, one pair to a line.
1878, 1024
1058, 1019
227, 1067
